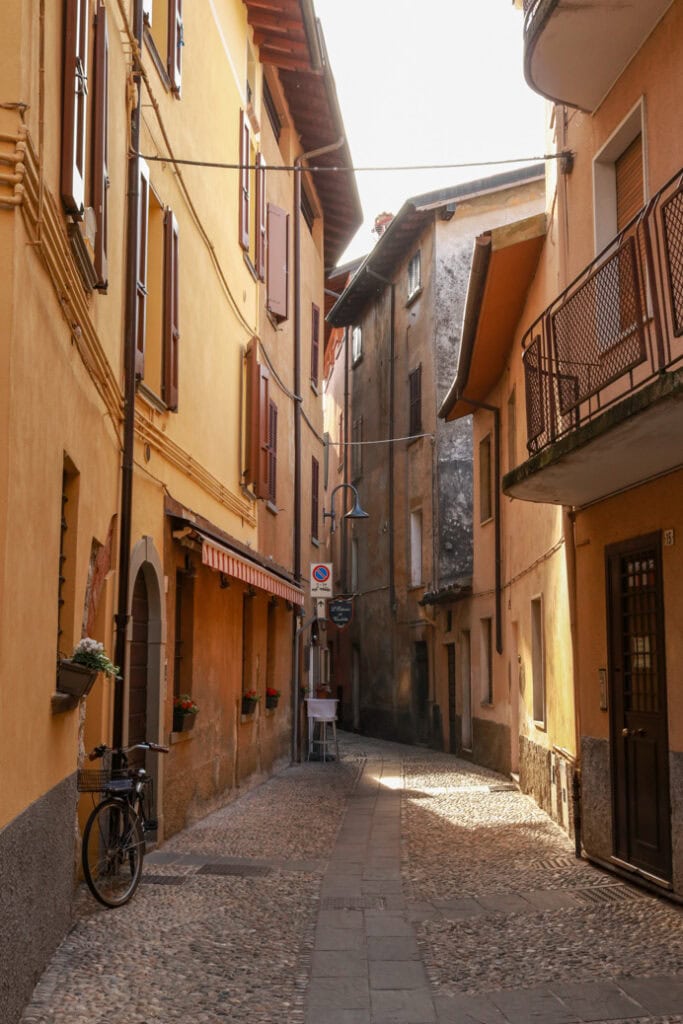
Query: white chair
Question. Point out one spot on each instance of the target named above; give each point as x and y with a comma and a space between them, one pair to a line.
322, 719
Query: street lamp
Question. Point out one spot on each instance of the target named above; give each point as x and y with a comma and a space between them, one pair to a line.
355, 513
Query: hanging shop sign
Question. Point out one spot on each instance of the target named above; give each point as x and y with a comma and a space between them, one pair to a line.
340, 611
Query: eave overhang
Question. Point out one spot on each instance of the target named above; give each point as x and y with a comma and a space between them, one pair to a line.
503, 266
403, 232
575, 51
290, 38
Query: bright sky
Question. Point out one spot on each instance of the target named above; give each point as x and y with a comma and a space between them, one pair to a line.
428, 82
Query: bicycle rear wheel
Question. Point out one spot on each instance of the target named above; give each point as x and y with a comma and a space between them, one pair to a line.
113, 849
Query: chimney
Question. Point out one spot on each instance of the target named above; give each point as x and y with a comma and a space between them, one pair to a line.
382, 222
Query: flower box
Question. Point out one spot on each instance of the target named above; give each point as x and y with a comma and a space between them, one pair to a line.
272, 702
74, 679
183, 722
249, 705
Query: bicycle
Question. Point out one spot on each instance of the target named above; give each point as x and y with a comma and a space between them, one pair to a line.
114, 836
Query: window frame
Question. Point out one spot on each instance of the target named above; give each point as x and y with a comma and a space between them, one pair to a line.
75, 134
415, 401
356, 344
315, 345
538, 661
485, 482
272, 452
416, 566
315, 499
486, 660
414, 286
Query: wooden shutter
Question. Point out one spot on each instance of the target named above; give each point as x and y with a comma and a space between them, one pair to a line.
100, 163
175, 44
415, 381
272, 451
260, 217
171, 332
75, 106
278, 267
629, 182
244, 182
258, 451
315, 343
357, 448
141, 268
315, 496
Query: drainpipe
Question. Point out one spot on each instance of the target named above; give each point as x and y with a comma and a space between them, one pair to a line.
297, 408
129, 340
322, 151
496, 499
346, 582
392, 424
569, 531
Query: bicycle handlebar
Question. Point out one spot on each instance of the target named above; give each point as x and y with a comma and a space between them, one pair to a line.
102, 749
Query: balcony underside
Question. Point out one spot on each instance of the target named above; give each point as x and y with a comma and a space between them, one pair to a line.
574, 51
634, 441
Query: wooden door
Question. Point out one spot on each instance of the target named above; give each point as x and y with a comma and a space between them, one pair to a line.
452, 735
137, 675
640, 776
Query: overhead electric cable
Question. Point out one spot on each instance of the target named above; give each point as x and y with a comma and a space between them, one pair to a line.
218, 165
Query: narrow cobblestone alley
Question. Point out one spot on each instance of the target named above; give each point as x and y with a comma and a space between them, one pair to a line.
398, 886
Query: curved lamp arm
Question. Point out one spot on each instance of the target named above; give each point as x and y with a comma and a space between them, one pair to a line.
355, 513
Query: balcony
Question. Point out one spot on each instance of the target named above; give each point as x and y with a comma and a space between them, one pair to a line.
574, 51
603, 368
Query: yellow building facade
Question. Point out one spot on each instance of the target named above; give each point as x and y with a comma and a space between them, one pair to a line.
160, 413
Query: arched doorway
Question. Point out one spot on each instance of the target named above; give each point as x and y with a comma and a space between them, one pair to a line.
138, 668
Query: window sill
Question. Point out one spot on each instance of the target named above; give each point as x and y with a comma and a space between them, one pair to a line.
272, 508
416, 586
485, 522
414, 439
414, 296
151, 397
250, 266
541, 726
314, 388
356, 362
315, 542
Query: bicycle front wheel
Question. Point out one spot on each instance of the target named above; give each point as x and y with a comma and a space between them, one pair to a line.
113, 849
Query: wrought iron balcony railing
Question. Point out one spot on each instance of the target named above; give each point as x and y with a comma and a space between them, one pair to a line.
614, 329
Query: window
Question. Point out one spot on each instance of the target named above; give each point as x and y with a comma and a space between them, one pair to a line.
357, 448
245, 181
86, 140
184, 625
485, 507
414, 275
354, 565
257, 471
415, 548
271, 641
619, 178
466, 661
342, 449
164, 36
271, 110
415, 401
249, 660
486, 662
512, 430
277, 262
315, 344
315, 497
356, 345
272, 451
307, 211
261, 224
538, 661
158, 335
66, 580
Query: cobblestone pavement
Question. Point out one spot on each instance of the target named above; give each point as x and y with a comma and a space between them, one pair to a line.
396, 886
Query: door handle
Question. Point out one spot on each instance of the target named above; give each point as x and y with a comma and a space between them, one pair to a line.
632, 732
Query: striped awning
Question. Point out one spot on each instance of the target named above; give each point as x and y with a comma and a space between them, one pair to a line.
222, 559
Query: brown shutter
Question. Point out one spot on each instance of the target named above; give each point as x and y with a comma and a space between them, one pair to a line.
415, 380
258, 449
260, 217
315, 343
315, 496
141, 268
272, 451
629, 182
171, 331
100, 163
244, 182
75, 106
278, 269
175, 43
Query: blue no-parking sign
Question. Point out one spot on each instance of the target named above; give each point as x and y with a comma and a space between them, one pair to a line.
321, 579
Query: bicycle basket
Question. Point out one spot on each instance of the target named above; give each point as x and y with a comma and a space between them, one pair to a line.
96, 780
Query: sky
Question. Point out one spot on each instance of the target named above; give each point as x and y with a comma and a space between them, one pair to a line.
428, 82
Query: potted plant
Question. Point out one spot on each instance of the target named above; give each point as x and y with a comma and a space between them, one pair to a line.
249, 701
272, 697
185, 711
77, 674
